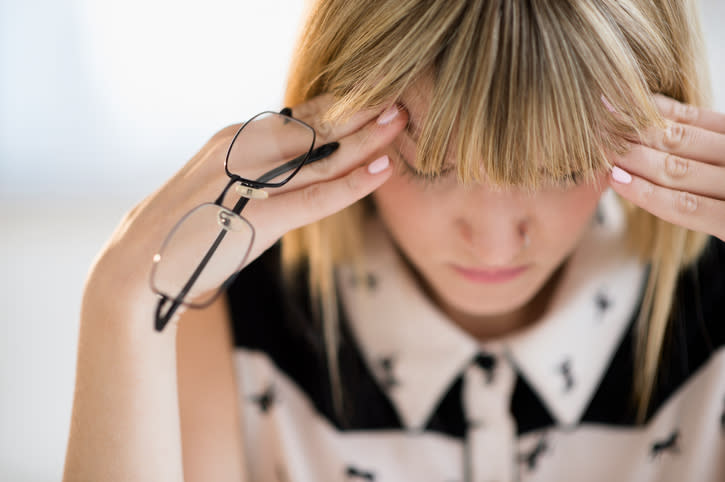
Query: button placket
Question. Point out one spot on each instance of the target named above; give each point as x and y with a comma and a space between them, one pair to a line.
490, 437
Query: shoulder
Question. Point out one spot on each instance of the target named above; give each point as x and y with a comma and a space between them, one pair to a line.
272, 318
696, 336
698, 308
697, 330
264, 310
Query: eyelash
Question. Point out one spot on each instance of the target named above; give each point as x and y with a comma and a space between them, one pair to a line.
426, 179
572, 179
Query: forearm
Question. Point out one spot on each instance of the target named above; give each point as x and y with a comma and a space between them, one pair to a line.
125, 421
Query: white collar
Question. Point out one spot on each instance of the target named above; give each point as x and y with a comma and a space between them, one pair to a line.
416, 353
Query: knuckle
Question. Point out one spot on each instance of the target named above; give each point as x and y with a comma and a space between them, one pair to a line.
667, 107
673, 136
228, 131
322, 168
646, 192
353, 182
685, 112
686, 202
224, 135
312, 109
675, 166
312, 195
305, 109
324, 129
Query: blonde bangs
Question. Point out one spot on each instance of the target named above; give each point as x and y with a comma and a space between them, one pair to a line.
522, 92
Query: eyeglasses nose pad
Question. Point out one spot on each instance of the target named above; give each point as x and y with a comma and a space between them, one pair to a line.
250, 192
229, 221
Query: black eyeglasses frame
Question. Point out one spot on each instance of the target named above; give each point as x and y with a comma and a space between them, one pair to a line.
312, 155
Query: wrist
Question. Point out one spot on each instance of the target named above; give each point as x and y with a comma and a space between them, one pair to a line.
119, 297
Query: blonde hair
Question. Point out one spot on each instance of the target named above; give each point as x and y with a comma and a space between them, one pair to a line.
527, 79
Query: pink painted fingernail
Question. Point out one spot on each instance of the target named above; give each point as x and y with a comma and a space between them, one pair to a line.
621, 176
378, 165
387, 116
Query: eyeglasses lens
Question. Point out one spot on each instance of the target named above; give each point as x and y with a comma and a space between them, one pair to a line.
269, 148
186, 254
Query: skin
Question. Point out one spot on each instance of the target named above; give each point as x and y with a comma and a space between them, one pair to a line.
116, 342
141, 406
677, 173
480, 228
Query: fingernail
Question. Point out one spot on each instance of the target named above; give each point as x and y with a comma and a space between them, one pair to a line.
387, 116
621, 176
378, 165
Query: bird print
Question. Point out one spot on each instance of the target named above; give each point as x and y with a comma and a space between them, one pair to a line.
670, 443
265, 400
369, 280
603, 303
387, 375
353, 473
531, 458
566, 372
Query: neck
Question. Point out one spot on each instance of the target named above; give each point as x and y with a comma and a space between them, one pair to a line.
485, 328
489, 327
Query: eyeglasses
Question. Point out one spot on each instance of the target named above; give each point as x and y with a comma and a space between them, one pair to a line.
269, 149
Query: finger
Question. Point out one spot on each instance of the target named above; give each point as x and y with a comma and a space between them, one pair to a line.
683, 208
354, 149
674, 172
304, 206
312, 112
688, 141
690, 114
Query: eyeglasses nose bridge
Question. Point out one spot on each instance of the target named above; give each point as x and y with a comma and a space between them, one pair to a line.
250, 192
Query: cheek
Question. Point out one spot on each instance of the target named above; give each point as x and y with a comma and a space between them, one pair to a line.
405, 206
416, 214
565, 215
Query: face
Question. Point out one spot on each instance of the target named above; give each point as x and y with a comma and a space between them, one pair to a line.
459, 239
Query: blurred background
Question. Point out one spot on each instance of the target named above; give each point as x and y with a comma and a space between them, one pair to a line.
100, 102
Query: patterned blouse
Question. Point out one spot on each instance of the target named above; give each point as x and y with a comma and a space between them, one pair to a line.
424, 401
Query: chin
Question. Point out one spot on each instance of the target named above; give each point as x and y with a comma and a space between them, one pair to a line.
487, 307
489, 300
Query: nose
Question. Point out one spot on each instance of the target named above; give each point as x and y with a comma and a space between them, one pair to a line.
493, 228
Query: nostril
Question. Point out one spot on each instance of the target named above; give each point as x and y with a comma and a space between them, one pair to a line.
491, 246
465, 231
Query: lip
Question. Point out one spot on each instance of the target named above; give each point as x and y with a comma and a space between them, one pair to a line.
490, 276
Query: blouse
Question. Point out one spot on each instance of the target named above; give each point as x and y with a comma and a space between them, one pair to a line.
424, 401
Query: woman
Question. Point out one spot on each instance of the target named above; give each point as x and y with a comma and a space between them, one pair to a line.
510, 268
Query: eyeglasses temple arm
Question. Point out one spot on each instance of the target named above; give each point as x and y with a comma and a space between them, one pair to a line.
160, 323
162, 320
317, 154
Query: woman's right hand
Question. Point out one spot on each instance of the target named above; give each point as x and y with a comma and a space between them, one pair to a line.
320, 189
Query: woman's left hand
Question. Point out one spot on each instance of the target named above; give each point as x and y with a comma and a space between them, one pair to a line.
678, 173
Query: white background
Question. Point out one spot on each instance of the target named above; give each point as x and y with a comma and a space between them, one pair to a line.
100, 102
